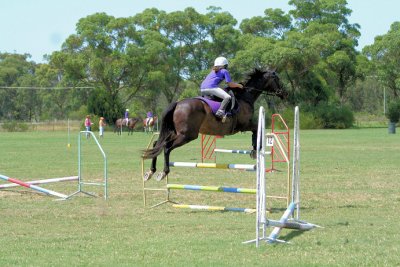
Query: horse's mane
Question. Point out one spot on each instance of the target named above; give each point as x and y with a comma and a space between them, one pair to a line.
246, 95
253, 75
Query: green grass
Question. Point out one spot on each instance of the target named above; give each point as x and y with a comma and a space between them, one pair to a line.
350, 185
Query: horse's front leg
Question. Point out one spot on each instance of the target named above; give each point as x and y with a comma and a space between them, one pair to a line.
147, 175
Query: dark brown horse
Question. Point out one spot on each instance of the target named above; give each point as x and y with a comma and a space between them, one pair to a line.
184, 120
120, 123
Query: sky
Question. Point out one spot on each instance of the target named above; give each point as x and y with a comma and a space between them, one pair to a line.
39, 27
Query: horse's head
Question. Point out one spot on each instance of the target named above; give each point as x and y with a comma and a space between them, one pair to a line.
266, 82
273, 85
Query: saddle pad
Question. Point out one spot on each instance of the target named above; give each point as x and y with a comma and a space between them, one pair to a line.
214, 105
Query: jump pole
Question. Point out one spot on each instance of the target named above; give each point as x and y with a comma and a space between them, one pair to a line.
34, 187
247, 167
213, 208
212, 188
45, 181
233, 151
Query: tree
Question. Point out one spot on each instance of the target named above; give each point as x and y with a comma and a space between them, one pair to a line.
110, 54
385, 56
275, 24
17, 103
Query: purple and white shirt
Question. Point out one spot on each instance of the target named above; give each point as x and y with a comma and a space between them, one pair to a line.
214, 78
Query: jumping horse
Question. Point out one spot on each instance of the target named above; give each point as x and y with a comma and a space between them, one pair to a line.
120, 123
182, 121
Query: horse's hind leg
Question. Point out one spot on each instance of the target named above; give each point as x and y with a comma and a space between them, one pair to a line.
179, 141
147, 175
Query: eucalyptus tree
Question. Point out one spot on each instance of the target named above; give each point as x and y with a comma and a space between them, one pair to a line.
18, 74
194, 41
112, 55
57, 98
274, 24
313, 46
385, 56
328, 19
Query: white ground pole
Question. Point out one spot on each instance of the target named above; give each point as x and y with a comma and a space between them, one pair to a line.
44, 181
34, 187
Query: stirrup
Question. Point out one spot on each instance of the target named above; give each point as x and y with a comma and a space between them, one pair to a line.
220, 114
224, 118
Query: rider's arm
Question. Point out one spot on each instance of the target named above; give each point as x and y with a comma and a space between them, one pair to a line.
235, 85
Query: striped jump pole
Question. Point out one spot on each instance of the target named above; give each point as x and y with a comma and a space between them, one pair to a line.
237, 151
248, 167
213, 208
34, 187
212, 188
233, 151
45, 181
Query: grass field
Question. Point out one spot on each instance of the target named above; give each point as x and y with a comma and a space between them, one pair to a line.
350, 184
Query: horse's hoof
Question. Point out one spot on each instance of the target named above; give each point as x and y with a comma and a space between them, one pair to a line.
253, 154
160, 176
147, 175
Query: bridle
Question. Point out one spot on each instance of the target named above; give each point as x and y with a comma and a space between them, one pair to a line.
263, 92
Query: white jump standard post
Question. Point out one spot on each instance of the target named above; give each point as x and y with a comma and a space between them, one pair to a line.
262, 222
81, 182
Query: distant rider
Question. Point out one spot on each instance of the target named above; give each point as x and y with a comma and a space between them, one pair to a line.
126, 117
149, 117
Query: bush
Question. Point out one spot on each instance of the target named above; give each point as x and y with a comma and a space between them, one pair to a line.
393, 113
333, 116
13, 126
307, 119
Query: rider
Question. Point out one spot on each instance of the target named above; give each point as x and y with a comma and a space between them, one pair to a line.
126, 116
149, 117
210, 85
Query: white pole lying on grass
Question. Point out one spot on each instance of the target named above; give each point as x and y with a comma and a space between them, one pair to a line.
34, 187
45, 181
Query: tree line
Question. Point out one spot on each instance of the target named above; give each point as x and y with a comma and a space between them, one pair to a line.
150, 59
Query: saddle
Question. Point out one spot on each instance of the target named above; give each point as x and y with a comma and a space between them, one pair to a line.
214, 103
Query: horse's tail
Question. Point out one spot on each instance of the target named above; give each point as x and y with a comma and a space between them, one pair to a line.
167, 129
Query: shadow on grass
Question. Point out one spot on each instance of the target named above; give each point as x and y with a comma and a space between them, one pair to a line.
293, 234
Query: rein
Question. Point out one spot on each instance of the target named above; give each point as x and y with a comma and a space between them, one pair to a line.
249, 89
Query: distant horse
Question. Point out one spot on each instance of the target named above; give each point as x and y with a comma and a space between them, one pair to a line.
184, 120
148, 124
120, 123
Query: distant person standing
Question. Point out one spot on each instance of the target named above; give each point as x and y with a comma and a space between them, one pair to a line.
102, 124
88, 125
126, 117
